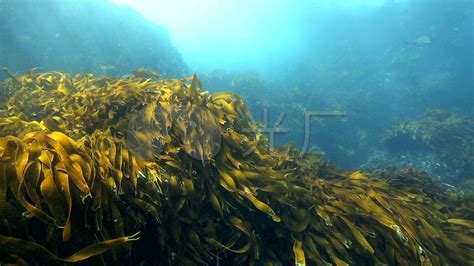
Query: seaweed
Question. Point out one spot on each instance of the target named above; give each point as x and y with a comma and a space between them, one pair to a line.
449, 135
135, 170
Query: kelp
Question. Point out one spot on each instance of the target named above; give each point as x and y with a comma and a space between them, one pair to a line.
449, 135
157, 171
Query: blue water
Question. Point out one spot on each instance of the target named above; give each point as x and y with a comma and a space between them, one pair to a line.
381, 62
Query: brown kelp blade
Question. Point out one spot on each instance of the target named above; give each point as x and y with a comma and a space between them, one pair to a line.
37, 253
91, 159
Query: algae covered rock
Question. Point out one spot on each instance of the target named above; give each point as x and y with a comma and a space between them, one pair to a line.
157, 171
94, 36
449, 135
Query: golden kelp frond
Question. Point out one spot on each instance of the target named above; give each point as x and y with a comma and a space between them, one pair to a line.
406, 224
92, 161
48, 177
145, 73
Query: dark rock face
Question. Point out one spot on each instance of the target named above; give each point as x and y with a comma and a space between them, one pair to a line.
75, 36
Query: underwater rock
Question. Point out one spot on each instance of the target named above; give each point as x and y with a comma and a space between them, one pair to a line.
448, 135
70, 42
135, 170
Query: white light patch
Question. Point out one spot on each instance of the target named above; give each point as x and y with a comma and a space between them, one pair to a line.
121, 2
221, 33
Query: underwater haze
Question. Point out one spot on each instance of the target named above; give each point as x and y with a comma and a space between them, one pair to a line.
240, 35
382, 62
